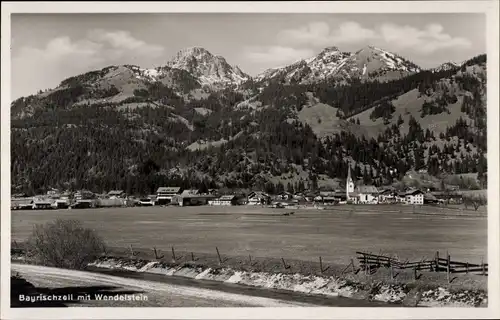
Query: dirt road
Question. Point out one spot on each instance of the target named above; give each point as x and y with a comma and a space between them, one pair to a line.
88, 289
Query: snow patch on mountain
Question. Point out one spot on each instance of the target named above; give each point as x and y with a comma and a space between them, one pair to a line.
446, 66
145, 74
368, 63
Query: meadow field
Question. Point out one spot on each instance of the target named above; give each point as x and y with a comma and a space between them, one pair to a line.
335, 235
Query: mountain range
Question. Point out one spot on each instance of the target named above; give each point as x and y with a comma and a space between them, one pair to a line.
198, 120
369, 63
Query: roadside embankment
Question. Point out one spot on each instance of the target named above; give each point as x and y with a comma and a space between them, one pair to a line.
430, 289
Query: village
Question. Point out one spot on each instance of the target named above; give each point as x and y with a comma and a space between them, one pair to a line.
176, 196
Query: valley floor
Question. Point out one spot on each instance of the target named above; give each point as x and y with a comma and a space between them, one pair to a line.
334, 234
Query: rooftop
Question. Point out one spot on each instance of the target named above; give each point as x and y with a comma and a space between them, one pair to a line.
258, 194
190, 195
168, 190
190, 192
367, 189
227, 197
412, 192
115, 192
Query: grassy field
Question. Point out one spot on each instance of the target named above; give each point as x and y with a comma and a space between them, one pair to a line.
261, 232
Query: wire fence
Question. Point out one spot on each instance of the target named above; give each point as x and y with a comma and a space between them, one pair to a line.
365, 262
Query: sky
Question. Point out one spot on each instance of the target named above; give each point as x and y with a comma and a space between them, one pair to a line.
48, 48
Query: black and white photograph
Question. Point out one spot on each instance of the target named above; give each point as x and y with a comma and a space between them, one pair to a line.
193, 158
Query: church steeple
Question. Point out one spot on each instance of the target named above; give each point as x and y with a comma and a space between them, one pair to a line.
349, 184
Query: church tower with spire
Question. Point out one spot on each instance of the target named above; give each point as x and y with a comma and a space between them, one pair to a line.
349, 185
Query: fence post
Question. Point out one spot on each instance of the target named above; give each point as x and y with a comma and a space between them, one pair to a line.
448, 266
437, 261
320, 264
173, 254
192, 256
284, 264
466, 267
392, 271
366, 266
218, 254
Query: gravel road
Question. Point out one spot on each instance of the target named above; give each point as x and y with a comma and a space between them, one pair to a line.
60, 283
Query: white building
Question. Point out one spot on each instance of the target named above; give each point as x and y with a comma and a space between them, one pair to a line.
227, 200
53, 192
164, 195
367, 194
84, 195
258, 198
116, 194
146, 202
387, 196
415, 197
285, 196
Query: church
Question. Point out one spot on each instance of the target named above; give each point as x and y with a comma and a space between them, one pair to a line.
362, 194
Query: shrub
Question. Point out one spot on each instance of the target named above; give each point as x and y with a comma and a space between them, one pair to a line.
65, 244
475, 201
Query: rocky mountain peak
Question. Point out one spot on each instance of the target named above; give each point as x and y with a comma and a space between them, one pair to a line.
190, 52
331, 49
446, 66
209, 68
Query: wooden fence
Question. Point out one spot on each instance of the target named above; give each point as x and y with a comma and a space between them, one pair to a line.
369, 261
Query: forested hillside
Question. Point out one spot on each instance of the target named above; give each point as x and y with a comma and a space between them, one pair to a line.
135, 129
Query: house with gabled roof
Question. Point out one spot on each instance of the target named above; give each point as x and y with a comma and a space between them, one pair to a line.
225, 200
367, 194
284, 196
190, 192
387, 195
258, 197
53, 192
429, 198
192, 199
212, 191
164, 195
414, 196
116, 194
84, 195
